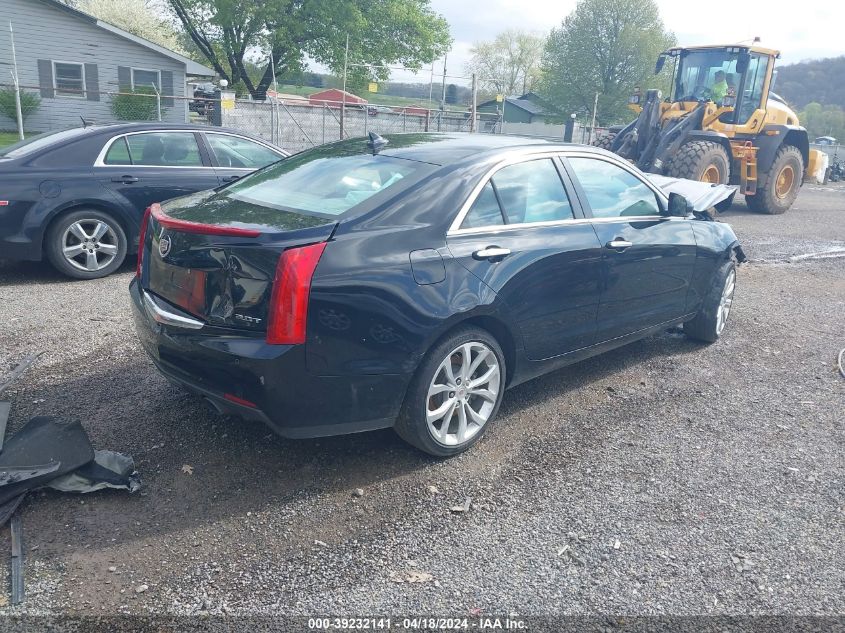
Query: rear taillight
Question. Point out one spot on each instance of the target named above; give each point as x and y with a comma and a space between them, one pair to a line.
142, 236
289, 300
187, 226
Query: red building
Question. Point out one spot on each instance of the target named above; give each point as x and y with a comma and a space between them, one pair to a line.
412, 110
334, 97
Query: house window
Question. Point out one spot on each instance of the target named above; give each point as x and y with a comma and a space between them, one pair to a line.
143, 78
69, 79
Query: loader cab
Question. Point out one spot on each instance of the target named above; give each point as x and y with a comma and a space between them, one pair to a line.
746, 71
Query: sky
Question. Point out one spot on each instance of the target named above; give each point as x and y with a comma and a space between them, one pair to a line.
816, 30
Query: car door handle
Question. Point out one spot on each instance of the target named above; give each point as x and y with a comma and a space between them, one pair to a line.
619, 243
492, 252
126, 180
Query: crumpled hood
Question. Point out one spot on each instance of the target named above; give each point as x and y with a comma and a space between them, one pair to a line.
702, 195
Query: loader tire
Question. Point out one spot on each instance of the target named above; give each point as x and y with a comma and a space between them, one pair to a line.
604, 140
778, 187
705, 161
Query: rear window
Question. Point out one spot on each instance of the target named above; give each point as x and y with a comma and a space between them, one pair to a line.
315, 183
35, 143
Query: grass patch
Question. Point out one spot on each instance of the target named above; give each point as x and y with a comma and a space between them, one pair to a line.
8, 138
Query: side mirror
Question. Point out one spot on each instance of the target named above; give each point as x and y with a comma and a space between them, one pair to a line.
659, 66
678, 206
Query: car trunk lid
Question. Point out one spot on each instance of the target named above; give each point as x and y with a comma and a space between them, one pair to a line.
217, 261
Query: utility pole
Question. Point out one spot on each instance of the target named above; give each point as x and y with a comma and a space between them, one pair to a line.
343, 103
593, 125
431, 87
17, 83
443, 93
274, 104
472, 110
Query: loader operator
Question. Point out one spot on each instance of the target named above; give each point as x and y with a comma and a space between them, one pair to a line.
720, 88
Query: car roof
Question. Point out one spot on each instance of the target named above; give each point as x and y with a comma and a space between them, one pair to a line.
450, 148
56, 139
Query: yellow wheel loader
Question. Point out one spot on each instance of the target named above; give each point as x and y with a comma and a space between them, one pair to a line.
720, 124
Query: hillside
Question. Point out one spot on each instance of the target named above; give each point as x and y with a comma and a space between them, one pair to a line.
818, 80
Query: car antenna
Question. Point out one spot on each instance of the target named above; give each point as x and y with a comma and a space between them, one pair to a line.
376, 142
86, 123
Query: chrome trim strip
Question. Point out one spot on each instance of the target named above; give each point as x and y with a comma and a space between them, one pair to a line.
160, 315
99, 162
499, 228
454, 228
511, 160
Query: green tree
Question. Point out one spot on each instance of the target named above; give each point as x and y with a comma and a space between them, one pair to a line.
451, 94
606, 47
140, 105
508, 65
228, 33
143, 18
30, 102
822, 120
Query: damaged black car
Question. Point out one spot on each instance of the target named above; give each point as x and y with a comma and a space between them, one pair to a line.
408, 281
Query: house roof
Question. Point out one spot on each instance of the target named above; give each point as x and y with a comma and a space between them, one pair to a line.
191, 67
524, 103
336, 94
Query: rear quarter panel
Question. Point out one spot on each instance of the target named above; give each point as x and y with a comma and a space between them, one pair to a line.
368, 314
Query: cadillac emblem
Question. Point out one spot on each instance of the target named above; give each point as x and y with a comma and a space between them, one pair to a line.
164, 245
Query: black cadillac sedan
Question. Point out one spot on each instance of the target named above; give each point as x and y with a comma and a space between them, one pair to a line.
408, 281
78, 196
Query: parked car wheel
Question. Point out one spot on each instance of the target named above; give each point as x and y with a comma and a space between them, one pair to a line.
86, 244
710, 322
455, 394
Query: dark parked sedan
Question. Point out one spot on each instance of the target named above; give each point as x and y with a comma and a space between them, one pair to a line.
78, 196
408, 281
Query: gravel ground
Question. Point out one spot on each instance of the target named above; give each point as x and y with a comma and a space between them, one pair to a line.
665, 478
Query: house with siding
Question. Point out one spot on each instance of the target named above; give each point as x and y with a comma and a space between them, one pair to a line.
76, 63
529, 108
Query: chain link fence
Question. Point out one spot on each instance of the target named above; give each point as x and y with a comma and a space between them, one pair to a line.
834, 151
50, 109
298, 125
294, 124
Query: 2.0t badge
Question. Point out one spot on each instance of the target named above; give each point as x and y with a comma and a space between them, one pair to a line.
164, 245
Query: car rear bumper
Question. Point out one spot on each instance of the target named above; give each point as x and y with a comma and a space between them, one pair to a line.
234, 372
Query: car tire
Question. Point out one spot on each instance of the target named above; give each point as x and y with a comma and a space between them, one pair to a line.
474, 404
604, 140
705, 161
86, 244
710, 322
778, 188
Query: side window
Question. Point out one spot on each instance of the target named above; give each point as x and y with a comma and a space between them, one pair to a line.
145, 79
118, 153
532, 192
612, 191
164, 149
484, 211
755, 77
233, 151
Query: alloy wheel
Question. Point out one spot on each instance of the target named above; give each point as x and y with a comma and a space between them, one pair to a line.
462, 394
725, 302
89, 244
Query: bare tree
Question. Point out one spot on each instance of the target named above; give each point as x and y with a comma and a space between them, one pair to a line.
509, 64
